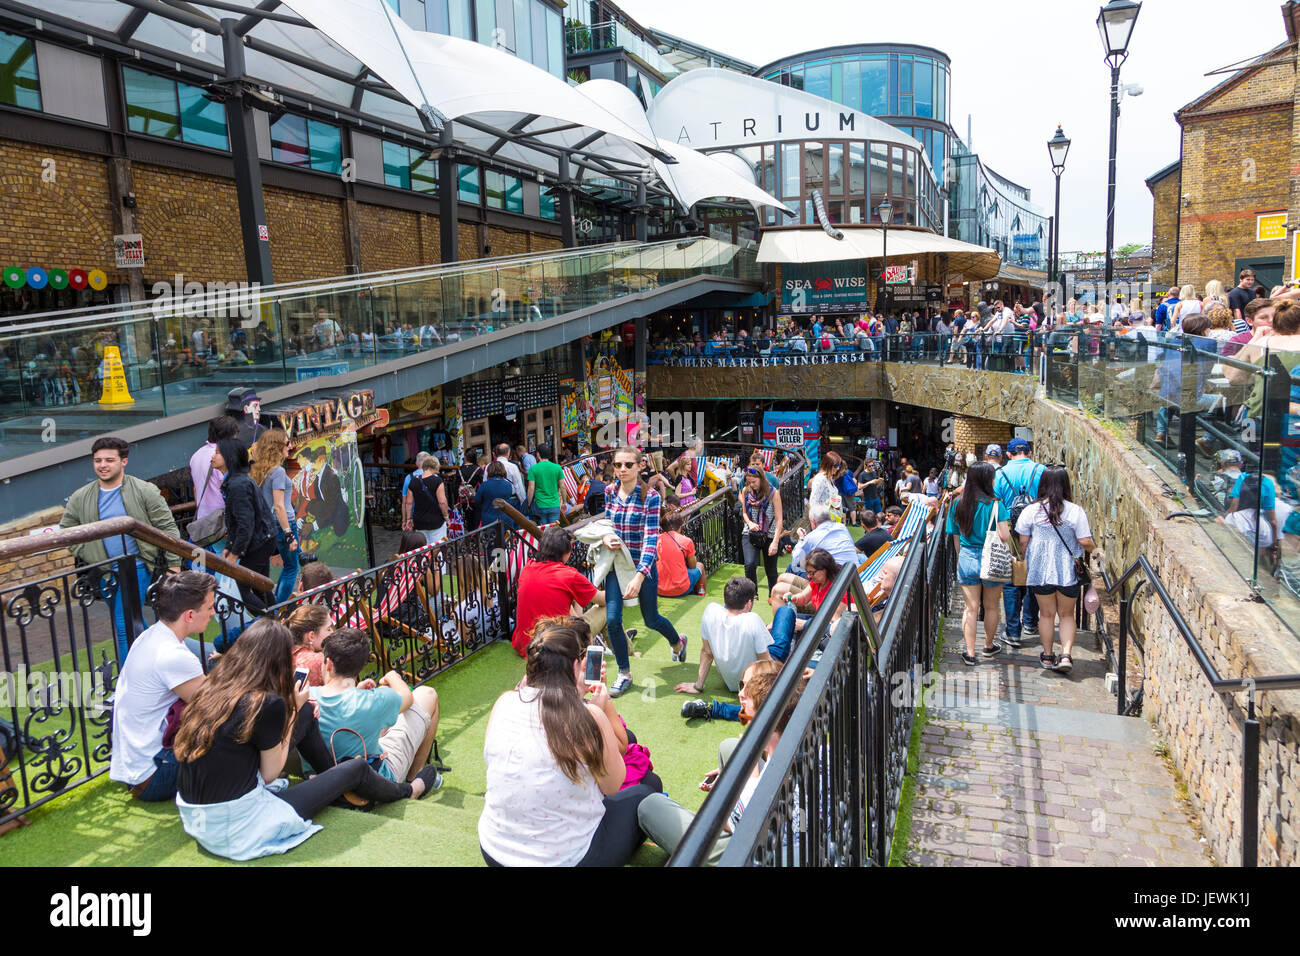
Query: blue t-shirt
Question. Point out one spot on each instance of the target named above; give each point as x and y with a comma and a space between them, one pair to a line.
406, 482
979, 525
1267, 492
1017, 477
817, 329
365, 711
111, 506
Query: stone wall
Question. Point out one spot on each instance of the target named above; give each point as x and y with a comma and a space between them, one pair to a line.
998, 396
1128, 508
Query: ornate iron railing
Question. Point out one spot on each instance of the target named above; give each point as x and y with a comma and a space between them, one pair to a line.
830, 791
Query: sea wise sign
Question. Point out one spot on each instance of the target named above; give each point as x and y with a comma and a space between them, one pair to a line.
824, 287
789, 436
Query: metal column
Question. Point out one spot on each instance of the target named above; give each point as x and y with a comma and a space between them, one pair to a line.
248, 169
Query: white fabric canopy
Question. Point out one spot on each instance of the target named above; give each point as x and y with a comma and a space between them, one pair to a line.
702, 252
814, 245
694, 176
451, 78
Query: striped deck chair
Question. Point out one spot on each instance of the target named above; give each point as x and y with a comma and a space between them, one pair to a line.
525, 546
869, 570
365, 616
768, 455
914, 519
569, 482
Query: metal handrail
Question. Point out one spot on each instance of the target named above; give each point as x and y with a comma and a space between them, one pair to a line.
113, 527
1219, 684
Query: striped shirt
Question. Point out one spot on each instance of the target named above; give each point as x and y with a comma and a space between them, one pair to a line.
636, 521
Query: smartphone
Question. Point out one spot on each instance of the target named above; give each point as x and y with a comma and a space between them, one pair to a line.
595, 656
300, 675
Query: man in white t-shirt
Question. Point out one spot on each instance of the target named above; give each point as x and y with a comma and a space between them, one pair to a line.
732, 637
159, 670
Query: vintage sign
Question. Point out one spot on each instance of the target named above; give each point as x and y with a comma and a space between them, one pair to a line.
1270, 227
824, 287
330, 414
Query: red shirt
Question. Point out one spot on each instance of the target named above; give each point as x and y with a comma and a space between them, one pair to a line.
547, 588
671, 564
819, 595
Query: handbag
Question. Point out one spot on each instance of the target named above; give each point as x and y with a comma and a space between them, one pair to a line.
1081, 569
351, 796
211, 528
995, 561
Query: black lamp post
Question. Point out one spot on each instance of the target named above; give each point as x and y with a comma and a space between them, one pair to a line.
1115, 23
1058, 147
886, 212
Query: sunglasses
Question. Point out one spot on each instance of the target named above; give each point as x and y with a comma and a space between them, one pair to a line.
624, 464
753, 471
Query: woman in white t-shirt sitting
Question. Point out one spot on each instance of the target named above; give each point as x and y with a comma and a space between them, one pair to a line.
554, 769
1053, 532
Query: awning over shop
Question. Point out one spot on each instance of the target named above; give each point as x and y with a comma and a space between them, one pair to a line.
815, 245
1018, 275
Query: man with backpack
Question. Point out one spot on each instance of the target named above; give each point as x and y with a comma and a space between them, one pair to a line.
1016, 485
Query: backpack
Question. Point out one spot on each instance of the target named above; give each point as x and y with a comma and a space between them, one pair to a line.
1022, 500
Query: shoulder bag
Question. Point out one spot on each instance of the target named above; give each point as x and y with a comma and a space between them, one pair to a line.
1081, 569
211, 528
995, 561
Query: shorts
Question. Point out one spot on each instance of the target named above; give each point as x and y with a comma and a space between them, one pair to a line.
400, 741
1065, 590
968, 569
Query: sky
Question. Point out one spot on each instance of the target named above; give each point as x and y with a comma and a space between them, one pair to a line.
1020, 68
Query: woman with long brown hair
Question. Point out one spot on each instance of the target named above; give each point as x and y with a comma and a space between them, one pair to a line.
977, 513
267, 471
310, 624
233, 740
555, 768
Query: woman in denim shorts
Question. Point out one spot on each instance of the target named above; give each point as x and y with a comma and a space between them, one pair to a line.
968, 523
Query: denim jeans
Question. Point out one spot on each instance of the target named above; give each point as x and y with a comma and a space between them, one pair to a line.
782, 632
648, 600
119, 612
289, 576
1015, 602
162, 785
724, 711
693, 581
547, 515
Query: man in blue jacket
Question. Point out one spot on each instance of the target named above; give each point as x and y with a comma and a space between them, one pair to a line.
1016, 484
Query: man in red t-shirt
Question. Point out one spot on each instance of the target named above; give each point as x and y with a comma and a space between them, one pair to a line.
548, 586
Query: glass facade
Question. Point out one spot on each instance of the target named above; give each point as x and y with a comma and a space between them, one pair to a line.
882, 84
529, 29
503, 191
19, 84
988, 210
157, 106
408, 168
853, 177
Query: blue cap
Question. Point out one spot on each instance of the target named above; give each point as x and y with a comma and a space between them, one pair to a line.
1017, 445
993, 451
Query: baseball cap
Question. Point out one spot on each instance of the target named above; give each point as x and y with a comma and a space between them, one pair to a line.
1017, 445
993, 451
1227, 455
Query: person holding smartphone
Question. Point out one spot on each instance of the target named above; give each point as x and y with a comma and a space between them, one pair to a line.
232, 743
555, 770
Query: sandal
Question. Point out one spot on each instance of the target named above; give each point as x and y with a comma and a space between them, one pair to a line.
1047, 660
1064, 664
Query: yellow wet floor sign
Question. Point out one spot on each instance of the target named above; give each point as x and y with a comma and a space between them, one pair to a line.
115, 392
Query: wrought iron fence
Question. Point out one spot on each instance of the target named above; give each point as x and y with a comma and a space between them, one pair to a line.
829, 792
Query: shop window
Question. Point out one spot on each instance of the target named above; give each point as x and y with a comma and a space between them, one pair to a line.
19, 83
397, 165
896, 172
879, 171
790, 171
467, 188
835, 169
857, 181
151, 106
814, 167
203, 122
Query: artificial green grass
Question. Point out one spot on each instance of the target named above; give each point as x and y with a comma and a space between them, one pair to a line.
901, 845
100, 824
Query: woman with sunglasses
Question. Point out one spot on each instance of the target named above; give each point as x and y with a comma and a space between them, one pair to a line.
760, 508
633, 509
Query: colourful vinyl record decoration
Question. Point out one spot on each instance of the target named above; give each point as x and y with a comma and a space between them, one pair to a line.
58, 279
15, 278
97, 279
77, 279
37, 277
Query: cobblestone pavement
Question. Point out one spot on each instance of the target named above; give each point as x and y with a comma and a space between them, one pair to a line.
1020, 766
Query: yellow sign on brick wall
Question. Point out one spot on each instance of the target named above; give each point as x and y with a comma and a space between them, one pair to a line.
1270, 227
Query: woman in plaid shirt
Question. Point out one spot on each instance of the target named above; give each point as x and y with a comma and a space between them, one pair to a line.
634, 511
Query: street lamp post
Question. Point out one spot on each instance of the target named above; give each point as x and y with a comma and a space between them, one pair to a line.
1058, 147
1115, 23
886, 213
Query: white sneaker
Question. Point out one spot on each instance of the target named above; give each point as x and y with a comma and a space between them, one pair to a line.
621, 685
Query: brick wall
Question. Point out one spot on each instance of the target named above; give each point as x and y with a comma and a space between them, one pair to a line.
307, 238
190, 225
976, 434
36, 566
1235, 167
390, 238
67, 223
1165, 198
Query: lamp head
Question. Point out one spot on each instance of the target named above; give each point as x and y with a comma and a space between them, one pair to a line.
1115, 24
1058, 147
